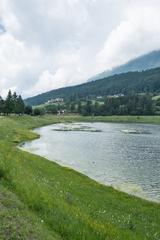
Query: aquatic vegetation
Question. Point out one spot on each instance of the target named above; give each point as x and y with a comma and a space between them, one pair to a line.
76, 129
134, 131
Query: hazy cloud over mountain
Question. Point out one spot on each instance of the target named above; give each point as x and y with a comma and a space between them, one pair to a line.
47, 44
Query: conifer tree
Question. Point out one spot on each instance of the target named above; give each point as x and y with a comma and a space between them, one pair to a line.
20, 107
1, 105
14, 98
9, 104
12, 104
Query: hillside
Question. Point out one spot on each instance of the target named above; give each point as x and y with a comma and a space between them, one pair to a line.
126, 83
144, 62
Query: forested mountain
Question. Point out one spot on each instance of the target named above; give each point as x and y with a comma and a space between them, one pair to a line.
147, 61
126, 83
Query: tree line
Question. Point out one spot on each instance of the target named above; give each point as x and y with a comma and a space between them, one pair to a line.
13, 104
125, 105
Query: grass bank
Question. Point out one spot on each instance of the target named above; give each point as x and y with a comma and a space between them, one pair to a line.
42, 200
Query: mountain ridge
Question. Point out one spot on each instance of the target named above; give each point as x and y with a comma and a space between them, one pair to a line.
147, 61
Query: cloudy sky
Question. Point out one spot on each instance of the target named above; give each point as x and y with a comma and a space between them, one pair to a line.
47, 44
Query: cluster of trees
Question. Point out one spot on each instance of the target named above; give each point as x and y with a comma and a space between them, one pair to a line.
13, 104
49, 109
127, 105
124, 105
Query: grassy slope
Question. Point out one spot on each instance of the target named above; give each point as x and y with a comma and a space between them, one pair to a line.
39, 198
17, 222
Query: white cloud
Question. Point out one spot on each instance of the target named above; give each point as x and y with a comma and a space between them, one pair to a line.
137, 34
48, 81
49, 44
5, 91
15, 57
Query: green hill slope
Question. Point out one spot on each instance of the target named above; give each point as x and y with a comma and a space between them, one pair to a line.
126, 83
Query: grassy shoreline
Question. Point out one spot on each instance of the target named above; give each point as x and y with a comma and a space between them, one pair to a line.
59, 202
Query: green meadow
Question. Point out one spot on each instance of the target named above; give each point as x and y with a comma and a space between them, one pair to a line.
41, 200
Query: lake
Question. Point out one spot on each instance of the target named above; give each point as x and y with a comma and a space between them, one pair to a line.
126, 156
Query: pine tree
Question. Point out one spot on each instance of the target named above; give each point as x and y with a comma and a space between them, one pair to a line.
15, 99
28, 110
79, 109
9, 104
1, 105
20, 107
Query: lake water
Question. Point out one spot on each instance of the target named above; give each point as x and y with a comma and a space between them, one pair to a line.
129, 161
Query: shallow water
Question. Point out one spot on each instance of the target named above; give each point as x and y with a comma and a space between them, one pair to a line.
129, 162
